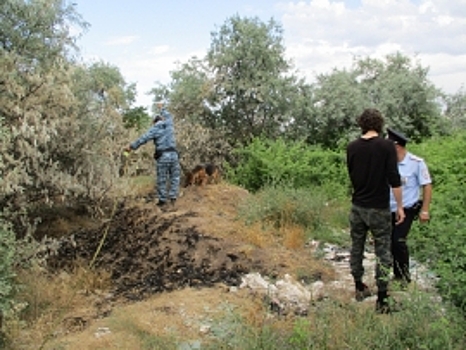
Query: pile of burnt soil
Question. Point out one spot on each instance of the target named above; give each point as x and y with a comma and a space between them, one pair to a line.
148, 252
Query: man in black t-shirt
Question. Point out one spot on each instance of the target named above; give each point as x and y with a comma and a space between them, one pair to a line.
372, 168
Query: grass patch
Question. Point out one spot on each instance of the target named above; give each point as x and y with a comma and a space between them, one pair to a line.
422, 324
297, 215
141, 337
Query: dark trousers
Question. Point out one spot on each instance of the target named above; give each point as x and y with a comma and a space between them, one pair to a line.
400, 249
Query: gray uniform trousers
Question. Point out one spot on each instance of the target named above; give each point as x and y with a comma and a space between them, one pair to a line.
168, 176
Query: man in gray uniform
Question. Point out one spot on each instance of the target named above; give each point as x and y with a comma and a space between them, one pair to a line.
167, 162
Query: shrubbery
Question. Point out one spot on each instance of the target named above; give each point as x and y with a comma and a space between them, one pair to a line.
442, 243
292, 164
301, 171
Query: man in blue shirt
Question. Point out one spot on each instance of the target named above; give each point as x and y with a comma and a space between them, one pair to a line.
167, 162
414, 176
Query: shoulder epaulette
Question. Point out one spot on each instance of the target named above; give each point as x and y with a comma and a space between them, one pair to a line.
416, 158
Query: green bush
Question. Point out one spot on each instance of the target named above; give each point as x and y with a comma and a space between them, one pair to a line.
292, 164
442, 243
309, 177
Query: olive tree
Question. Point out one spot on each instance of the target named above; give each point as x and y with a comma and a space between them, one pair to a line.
399, 86
243, 86
396, 85
455, 109
62, 120
251, 79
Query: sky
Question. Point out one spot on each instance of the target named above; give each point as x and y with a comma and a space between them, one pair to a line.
146, 39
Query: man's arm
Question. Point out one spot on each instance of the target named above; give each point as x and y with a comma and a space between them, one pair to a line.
426, 199
425, 182
151, 134
400, 213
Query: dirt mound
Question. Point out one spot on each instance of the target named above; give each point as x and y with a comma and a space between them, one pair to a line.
147, 251
163, 267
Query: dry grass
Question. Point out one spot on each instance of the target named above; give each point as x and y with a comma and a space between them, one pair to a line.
294, 237
50, 303
255, 234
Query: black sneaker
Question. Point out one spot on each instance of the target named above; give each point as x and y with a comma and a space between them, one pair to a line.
161, 204
382, 306
362, 292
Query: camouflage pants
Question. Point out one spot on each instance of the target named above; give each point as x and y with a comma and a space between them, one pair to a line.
168, 176
378, 222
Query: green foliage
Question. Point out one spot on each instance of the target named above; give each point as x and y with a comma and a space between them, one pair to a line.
100, 85
37, 30
199, 145
293, 164
243, 86
283, 206
246, 87
339, 102
137, 118
189, 88
442, 242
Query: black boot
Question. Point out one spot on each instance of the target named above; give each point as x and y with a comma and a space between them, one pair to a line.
172, 204
382, 305
161, 204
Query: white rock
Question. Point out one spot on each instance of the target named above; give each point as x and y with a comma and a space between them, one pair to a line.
102, 331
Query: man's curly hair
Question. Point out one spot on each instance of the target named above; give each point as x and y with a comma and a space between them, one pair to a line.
371, 119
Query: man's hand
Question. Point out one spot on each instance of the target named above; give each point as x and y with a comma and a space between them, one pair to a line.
424, 216
400, 216
127, 151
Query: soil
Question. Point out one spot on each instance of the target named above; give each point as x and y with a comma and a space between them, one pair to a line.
196, 251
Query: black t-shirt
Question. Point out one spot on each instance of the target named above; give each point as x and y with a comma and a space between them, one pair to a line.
372, 167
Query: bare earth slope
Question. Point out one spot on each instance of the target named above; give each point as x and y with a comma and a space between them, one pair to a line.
171, 270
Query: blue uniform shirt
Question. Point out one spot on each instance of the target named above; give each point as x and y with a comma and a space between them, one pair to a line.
414, 174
